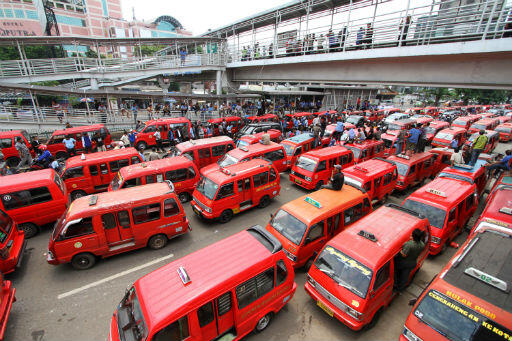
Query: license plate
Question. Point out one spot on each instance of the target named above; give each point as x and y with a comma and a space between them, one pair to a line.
298, 181
196, 209
325, 308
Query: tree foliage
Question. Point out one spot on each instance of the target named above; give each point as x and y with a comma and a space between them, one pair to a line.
483, 96
32, 52
148, 50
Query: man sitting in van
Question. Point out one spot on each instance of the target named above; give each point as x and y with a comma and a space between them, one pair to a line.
405, 261
504, 164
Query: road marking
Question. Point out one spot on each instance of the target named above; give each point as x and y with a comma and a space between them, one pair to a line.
108, 279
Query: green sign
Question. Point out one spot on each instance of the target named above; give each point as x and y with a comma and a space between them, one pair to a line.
313, 202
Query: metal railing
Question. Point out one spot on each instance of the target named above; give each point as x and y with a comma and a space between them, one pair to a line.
82, 65
422, 25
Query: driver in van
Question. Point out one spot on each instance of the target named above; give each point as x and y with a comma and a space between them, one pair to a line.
405, 260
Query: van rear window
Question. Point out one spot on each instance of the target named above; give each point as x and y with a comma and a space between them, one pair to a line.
27, 197
435, 216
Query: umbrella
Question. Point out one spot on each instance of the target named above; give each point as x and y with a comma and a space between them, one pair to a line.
86, 99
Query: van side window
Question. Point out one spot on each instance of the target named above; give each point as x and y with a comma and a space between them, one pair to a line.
274, 155
298, 151
150, 179
93, 170
135, 160
146, 213
387, 178
350, 156
229, 147
150, 129
109, 221
273, 175
176, 175
124, 219
191, 173
321, 166
76, 172
114, 166
205, 152
353, 214
190, 154
170, 208
469, 202
376, 182
103, 168
81, 228
224, 303
364, 153
256, 287
382, 276
176, 331
281, 273
130, 183
218, 150
5, 143
28, 197
225, 191
412, 169
331, 163
205, 314
452, 214
315, 232
260, 179
367, 186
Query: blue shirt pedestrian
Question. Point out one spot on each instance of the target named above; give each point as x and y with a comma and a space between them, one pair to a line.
414, 135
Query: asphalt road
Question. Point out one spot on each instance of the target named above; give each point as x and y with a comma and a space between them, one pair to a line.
58, 303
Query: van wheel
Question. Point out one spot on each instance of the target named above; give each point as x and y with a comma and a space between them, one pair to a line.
77, 194
12, 162
263, 323
184, 197
226, 216
264, 202
374, 320
61, 155
157, 242
83, 261
30, 229
141, 144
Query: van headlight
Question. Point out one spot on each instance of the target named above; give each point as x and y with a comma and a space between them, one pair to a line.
354, 313
292, 257
410, 335
208, 209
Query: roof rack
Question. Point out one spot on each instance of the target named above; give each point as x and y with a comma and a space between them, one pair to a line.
406, 210
403, 156
506, 210
266, 238
368, 235
244, 148
93, 199
361, 169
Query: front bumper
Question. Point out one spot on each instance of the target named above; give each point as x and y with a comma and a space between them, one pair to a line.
200, 212
301, 182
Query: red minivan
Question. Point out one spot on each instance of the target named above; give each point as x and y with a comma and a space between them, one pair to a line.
58, 149
221, 292
7, 146
445, 137
7, 298
314, 168
412, 170
204, 151
33, 199
366, 150
296, 146
145, 135
275, 136
106, 224
234, 121
12, 244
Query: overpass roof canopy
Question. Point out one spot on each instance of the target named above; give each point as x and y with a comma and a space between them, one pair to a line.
51, 40
288, 11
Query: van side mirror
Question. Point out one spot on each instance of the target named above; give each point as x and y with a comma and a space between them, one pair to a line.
412, 302
307, 241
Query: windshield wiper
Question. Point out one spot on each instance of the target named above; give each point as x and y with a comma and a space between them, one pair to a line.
431, 326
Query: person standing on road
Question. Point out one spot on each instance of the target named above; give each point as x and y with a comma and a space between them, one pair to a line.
158, 140
86, 143
153, 155
125, 139
478, 147
100, 143
23, 152
407, 258
132, 137
70, 143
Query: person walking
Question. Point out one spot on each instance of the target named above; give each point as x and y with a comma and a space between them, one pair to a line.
23, 152
158, 140
359, 37
86, 143
132, 137
478, 147
100, 143
153, 155
69, 143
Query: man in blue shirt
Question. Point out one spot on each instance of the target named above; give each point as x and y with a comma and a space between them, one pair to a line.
504, 164
412, 141
70, 142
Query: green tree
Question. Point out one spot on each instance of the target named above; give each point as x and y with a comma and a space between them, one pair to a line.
148, 50
33, 52
174, 86
483, 96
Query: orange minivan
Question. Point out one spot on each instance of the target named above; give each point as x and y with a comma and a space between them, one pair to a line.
106, 224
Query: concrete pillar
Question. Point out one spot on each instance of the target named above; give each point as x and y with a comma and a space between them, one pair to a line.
94, 84
218, 82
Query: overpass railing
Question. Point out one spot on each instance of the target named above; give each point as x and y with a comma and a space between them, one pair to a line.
82, 65
422, 25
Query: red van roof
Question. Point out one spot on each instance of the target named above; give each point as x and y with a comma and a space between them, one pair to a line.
221, 175
369, 168
443, 192
10, 133
212, 271
83, 207
169, 120
22, 181
155, 166
452, 130
387, 225
76, 161
227, 119
500, 207
239, 153
193, 144
78, 129
412, 159
327, 151
364, 144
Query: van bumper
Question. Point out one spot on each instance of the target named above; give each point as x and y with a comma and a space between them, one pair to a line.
200, 212
301, 182
436, 248
50, 258
342, 317
15, 253
8, 297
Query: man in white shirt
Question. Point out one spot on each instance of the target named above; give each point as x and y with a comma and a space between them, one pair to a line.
457, 158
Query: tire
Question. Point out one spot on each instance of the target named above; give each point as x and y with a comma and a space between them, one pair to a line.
374, 320
12, 161
83, 261
157, 242
61, 155
141, 144
319, 185
184, 197
225, 216
264, 202
263, 323
30, 229
77, 194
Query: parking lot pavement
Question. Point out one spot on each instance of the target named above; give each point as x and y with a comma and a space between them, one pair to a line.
57, 303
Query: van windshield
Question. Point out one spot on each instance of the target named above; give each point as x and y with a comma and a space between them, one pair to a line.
130, 319
444, 136
388, 143
353, 182
207, 187
173, 151
288, 149
430, 130
5, 226
242, 143
227, 160
344, 270
117, 181
356, 151
435, 216
306, 163
503, 130
290, 227
456, 321
141, 128
479, 126
402, 168
459, 123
